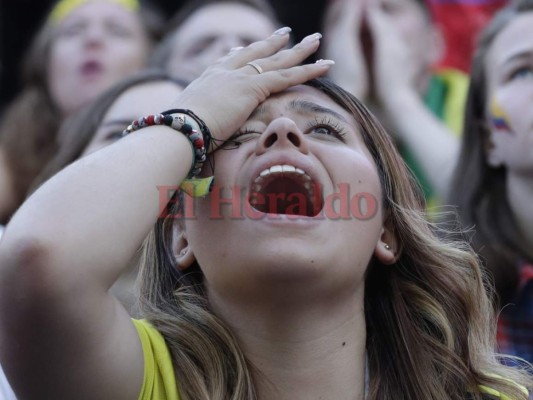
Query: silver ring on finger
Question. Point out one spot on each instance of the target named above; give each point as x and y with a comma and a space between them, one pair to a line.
255, 66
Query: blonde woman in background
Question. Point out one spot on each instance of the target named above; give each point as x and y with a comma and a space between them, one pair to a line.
83, 47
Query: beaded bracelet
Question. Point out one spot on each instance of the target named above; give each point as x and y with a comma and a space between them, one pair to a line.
203, 127
193, 186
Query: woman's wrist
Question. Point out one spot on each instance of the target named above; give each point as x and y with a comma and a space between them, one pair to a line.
184, 124
195, 130
398, 102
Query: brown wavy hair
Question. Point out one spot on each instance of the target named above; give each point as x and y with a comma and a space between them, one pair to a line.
478, 189
430, 326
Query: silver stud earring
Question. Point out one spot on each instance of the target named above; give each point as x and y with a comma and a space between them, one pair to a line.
387, 246
183, 252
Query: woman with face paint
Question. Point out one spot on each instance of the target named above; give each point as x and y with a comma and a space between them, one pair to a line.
493, 186
245, 293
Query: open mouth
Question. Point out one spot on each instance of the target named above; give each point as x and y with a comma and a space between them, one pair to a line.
91, 68
286, 189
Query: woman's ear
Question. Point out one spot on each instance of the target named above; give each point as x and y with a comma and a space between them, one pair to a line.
387, 250
183, 253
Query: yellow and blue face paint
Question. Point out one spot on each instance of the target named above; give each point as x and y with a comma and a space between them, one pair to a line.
498, 117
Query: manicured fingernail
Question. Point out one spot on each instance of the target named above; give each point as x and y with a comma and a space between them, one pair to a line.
325, 62
283, 31
312, 38
236, 48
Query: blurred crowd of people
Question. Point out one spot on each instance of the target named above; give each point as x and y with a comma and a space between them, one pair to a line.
465, 134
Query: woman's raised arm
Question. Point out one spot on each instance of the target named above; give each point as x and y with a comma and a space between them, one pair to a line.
61, 334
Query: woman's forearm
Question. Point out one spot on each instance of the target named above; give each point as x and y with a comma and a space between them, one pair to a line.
434, 146
98, 210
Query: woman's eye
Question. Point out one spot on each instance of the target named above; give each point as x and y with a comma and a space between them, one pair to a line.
522, 72
72, 30
326, 127
240, 137
119, 30
246, 133
199, 46
323, 130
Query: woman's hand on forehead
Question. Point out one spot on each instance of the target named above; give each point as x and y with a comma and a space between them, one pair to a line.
229, 90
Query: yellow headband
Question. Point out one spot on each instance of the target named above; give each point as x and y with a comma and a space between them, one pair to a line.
64, 7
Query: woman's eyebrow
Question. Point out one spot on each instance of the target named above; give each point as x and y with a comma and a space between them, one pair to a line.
304, 106
300, 106
517, 56
260, 110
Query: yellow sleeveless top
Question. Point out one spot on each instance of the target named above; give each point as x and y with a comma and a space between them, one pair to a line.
159, 382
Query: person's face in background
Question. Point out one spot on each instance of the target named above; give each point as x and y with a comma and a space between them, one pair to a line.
138, 101
95, 45
210, 32
413, 24
509, 78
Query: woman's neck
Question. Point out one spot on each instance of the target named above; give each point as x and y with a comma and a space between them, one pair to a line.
520, 193
311, 352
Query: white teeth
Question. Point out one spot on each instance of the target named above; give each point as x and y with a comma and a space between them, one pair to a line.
284, 169
288, 168
276, 168
291, 169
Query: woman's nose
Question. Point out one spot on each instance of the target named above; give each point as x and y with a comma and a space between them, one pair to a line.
282, 133
94, 36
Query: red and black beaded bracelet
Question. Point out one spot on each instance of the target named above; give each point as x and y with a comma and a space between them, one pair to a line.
179, 123
206, 133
